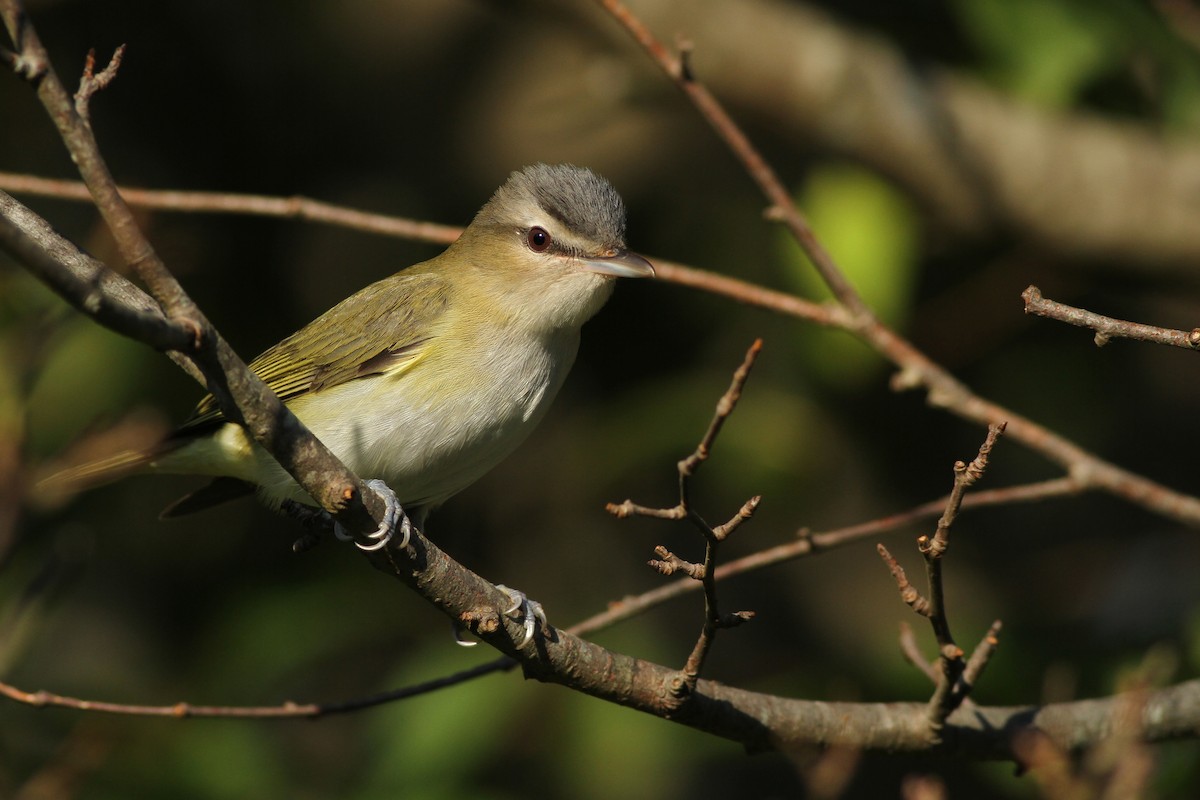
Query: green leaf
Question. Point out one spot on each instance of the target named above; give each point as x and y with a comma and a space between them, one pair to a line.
870, 229
1041, 50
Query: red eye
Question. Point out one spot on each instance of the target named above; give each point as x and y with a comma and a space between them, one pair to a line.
538, 240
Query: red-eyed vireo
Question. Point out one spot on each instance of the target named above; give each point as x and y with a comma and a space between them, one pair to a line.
427, 379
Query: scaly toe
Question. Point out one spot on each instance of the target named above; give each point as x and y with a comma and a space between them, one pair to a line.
530, 612
393, 515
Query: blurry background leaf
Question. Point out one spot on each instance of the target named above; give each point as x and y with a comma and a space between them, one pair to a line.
873, 234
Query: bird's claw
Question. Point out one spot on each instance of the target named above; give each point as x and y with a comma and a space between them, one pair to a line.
530, 612
393, 516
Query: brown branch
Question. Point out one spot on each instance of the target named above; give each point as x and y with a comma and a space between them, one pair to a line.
949, 694
688, 466
668, 564
782, 209
981, 656
808, 543
286, 710
950, 689
1085, 470
916, 369
91, 82
243, 397
309, 210
725, 407
1107, 328
908, 593
85, 283
977, 161
760, 721
933, 548
723, 531
296, 207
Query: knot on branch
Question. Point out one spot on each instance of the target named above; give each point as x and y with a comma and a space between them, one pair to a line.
668, 564
933, 546
684, 66
621, 510
481, 620
736, 618
27, 66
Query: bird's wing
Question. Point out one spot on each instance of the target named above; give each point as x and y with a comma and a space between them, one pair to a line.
333, 349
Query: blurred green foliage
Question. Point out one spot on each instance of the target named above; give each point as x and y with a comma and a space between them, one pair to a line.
873, 234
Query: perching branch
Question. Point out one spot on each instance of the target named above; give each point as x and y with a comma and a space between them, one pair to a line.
1084, 470
243, 397
761, 721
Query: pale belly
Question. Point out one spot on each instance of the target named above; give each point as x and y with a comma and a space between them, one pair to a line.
429, 432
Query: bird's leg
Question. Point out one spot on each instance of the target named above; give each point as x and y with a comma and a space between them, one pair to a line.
315, 522
523, 608
393, 516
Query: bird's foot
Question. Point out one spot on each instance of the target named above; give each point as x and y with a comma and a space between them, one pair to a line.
394, 519
530, 612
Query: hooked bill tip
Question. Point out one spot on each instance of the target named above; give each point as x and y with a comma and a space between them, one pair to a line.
622, 264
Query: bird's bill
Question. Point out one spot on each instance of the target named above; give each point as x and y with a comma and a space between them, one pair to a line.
622, 264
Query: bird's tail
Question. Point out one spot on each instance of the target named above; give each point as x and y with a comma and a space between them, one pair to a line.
71, 481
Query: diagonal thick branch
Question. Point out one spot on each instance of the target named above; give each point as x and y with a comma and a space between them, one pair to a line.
242, 396
757, 721
916, 369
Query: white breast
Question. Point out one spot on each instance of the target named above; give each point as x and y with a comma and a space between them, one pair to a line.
433, 430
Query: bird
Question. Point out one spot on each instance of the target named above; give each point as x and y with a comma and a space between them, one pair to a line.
425, 380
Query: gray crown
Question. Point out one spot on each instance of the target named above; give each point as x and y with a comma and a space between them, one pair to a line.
584, 202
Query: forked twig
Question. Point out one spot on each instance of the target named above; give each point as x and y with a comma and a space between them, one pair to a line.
703, 573
954, 678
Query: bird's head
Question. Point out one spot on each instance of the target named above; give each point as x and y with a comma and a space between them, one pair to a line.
549, 243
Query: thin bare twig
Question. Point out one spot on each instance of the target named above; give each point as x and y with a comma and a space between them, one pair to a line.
809, 543
948, 694
91, 82
912, 652
782, 209
286, 710
725, 407
933, 548
1107, 328
981, 656
1085, 470
295, 207
916, 369
950, 687
667, 563
908, 593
